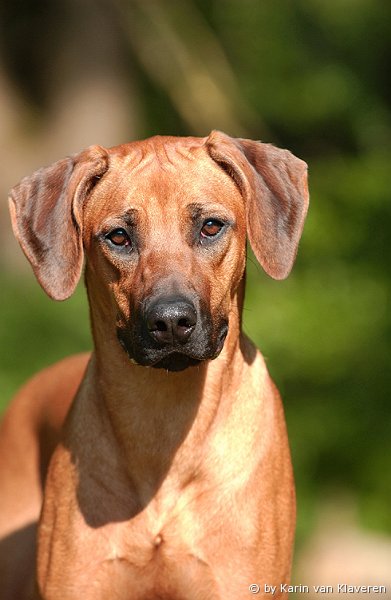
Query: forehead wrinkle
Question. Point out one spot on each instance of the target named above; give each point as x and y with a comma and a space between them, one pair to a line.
152, 189
133, 162
169, 153
146, 180
129, 163
163, 157
128, 186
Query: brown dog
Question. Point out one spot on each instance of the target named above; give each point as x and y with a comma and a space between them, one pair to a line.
172, 476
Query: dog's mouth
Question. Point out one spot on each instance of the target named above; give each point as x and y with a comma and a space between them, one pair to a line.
172, 359
176, 361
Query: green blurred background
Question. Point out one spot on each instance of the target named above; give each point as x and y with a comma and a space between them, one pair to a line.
309, 75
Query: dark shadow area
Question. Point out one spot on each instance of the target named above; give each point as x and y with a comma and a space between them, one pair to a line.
106, 492
17, 562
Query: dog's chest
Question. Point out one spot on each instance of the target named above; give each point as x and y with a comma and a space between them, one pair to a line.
178, 556
164, 565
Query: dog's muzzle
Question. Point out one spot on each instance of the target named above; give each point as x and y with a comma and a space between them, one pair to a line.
172, 333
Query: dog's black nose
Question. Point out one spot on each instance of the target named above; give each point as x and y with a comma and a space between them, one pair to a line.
171, 321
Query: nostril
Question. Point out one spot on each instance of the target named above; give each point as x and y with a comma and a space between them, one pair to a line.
185, 323
161, 326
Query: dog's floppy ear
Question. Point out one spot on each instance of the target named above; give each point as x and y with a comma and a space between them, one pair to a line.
274, 185
46, 214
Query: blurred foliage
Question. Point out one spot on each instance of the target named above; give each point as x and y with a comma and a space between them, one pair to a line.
311, 76
35, 331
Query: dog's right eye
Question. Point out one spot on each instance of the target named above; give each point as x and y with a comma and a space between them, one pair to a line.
119, 237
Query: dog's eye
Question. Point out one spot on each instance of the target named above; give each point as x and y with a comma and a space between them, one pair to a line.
211, 228
119, 237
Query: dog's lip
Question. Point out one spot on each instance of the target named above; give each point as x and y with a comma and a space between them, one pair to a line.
164, 354
222, 335
182, 352
176, 361
176, 352
189, 356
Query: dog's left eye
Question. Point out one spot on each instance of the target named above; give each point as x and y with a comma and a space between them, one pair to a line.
211, 228
119, 237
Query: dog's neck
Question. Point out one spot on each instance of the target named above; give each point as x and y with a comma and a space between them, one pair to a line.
157, 417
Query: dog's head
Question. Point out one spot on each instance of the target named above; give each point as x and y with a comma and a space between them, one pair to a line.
163, 225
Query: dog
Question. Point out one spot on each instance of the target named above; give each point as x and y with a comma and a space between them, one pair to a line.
158, 467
